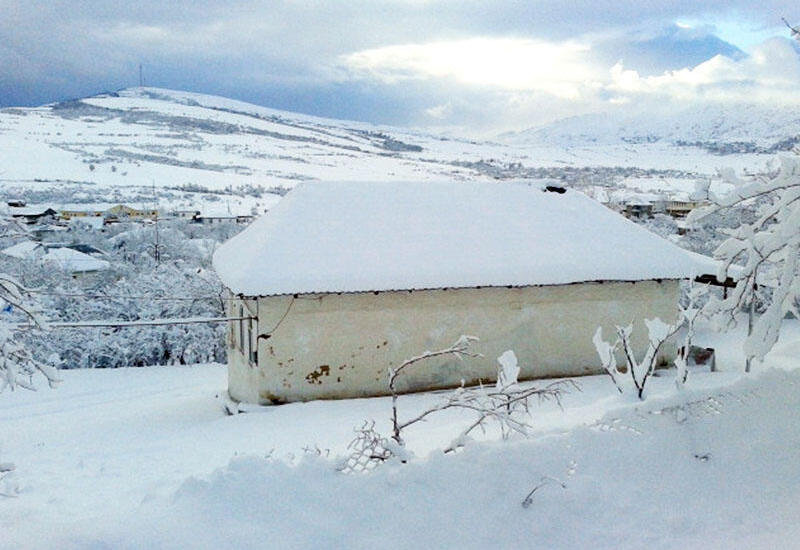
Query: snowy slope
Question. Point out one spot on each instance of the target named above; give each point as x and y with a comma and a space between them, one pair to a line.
133, 144
143, 135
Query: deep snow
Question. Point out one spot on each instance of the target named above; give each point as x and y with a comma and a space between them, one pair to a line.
145, 458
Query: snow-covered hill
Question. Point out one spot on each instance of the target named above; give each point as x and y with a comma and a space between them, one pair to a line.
144, 144
140, 135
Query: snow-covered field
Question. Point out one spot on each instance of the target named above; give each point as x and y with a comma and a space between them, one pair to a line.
146, 458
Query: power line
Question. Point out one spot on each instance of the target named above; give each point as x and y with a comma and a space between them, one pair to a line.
140, 323
315, 297
131, 297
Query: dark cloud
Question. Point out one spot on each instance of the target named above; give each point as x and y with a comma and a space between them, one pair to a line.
671, 48
285, 53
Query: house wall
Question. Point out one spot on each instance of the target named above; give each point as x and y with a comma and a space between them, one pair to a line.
339, 346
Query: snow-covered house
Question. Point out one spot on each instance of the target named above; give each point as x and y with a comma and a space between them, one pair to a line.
65, 258
32, 215
341, 281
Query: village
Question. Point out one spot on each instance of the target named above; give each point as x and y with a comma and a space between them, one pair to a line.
48, 238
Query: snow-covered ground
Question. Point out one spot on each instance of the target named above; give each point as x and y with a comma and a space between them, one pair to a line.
146, 458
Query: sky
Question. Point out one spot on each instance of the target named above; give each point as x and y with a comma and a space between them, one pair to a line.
481, 66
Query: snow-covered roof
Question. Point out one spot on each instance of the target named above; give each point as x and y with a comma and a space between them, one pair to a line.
27, 210
62, 257
24, 250
74, 261
352, 237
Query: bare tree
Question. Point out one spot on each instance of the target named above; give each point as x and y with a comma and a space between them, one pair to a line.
506, 403
640, 371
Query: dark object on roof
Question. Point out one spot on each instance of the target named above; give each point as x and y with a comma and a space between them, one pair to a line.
555, 189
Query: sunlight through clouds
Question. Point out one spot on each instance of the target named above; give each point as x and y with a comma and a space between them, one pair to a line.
524, 75
560, 69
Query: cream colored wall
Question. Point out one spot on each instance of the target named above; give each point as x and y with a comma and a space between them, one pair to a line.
337, 346
237, 359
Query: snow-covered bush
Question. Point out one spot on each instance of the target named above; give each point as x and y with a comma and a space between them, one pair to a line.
764, 250
659, 333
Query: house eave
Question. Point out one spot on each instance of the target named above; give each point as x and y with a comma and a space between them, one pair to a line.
244, 296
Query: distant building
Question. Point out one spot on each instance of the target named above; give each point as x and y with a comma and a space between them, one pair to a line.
211, 220
186, 214
108, 213
681, 209
638, 210
32, 215
123, 212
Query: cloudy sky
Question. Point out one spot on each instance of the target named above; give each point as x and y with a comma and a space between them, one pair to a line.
479, 65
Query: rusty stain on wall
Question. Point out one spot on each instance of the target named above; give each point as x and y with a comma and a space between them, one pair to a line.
314, 377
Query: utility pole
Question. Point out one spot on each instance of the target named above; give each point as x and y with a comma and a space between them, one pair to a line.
141, 77
157, 246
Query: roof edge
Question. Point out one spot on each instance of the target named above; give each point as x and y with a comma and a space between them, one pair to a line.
379, 291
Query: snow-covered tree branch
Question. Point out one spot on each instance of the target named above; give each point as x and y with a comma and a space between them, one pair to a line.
507, 404
18, 366
459, 349
641, 370
761, 252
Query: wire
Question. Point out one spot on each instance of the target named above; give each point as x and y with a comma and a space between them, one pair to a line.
139, 323
268, 334
130, 297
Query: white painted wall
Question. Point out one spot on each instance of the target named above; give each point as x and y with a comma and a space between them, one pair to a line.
340, 345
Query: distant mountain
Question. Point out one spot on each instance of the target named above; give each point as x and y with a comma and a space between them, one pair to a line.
720, 129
